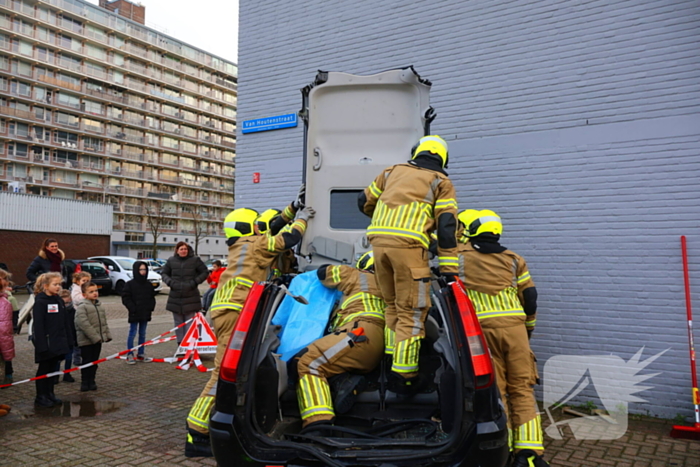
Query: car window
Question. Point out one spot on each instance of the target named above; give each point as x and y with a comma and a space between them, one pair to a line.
126, 263
95, 268
344, 212
109, 262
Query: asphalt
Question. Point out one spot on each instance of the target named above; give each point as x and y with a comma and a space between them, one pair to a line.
137, 416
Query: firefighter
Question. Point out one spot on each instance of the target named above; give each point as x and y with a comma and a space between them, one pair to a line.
249, 259
505, 299
355, 345
407, 202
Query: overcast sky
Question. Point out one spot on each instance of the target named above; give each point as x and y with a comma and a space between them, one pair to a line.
211, 25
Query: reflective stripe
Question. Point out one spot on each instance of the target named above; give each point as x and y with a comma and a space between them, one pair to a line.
301, 225
241, 259
362, 314
505, 303
529, 435
314, 396
389, 340
446, 203
524, 277
335, 274
531, 323
288, 213
409, 220
448, 261
364, 286
244, 282
406, 355
329, 354
199, 414
376, 192
271, 243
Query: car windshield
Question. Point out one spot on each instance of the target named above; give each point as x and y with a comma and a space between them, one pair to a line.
126, 263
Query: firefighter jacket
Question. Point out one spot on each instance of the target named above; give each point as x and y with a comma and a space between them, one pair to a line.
407, 202
499, 285
250, 260
361, 297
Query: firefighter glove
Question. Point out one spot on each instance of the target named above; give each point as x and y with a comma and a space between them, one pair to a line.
306, 213
301, 197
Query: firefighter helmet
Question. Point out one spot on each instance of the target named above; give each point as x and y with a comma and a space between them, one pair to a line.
239, 222
485, 221
366, 262
263, 220
432, 144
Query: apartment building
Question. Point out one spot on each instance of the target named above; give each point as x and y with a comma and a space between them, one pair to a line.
97, 107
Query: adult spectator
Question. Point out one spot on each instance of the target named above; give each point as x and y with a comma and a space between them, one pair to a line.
183, 272
49, 259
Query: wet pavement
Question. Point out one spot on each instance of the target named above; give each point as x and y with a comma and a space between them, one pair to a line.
137, 415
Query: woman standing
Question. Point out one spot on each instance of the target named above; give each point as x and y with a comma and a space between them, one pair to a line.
183, 273
49, 259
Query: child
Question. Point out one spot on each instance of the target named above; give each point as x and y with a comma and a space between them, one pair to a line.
92, 330
213, 281
51, 334
7, 341
70, 309
138, 297
76, 293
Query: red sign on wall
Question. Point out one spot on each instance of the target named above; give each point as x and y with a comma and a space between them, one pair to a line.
256, 177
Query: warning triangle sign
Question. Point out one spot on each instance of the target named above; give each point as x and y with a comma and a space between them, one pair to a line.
199, 337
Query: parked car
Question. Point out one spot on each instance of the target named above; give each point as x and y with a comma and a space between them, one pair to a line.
121, 270
154, 264
97, 269
210, 263
457, 417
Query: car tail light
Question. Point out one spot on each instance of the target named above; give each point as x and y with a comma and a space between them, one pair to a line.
78, 269
479, 350
232, 357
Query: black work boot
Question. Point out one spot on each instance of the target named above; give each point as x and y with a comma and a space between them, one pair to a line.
345, 388
198, 444
319, 428
403, 386
528, 458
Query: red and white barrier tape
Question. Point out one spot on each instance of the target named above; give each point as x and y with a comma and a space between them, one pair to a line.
156, 340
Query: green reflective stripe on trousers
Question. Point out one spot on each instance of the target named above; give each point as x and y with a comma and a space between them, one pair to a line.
314, 396
406, 355
199, 414
389, 339
365, 314
529, 435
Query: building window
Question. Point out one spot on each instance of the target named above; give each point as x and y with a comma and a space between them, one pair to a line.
217, 242
165, 239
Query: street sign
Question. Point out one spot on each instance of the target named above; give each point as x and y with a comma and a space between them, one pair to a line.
270, 123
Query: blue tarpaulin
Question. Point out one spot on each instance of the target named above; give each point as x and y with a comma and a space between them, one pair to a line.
303, 324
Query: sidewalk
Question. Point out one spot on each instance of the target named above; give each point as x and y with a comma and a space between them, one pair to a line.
137, 416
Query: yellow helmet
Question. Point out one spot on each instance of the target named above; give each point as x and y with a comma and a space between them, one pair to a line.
484, 221
263, 220
239, 222
366, 262
434, 145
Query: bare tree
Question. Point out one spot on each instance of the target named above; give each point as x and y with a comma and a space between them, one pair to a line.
200, 230
156, 221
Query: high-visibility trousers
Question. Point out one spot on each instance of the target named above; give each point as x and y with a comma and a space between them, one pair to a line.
516, 374
340, 352
403, 276
224, 321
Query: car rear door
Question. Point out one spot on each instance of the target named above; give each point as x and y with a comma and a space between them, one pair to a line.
355, 126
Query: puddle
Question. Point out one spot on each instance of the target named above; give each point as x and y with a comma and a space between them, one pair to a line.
76, 409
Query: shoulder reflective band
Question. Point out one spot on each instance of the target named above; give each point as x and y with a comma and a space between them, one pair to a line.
481, 358
232, 357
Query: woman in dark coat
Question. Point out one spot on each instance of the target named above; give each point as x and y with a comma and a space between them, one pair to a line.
49, 259
183, 273
139, 297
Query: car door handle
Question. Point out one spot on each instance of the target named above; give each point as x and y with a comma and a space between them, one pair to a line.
317, 153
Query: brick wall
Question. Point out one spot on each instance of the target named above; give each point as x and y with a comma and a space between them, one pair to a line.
20, 248
578, 121
126, 9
